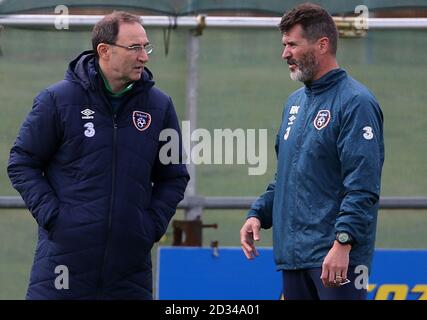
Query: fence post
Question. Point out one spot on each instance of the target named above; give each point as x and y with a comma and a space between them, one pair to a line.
193, 45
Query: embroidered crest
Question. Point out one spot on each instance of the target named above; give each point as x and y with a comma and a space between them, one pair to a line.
141, 120
322, 119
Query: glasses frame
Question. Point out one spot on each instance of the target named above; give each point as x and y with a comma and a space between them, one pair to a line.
148, 48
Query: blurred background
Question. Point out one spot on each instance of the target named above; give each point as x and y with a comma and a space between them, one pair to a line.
242, 83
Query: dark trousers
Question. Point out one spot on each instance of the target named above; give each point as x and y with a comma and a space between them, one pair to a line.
305, 284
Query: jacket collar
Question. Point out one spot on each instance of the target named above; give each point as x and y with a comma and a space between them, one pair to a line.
84, 70
325, 82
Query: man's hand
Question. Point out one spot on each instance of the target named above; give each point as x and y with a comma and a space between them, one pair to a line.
249, 233
335, 265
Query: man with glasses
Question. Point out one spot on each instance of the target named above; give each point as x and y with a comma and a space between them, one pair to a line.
86, 162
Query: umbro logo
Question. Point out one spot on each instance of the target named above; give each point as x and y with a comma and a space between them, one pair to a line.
87, 114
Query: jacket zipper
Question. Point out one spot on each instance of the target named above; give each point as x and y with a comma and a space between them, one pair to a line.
113, 191
110, 212
298, 151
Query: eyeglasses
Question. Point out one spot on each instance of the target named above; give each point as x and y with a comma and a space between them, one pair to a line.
148, 48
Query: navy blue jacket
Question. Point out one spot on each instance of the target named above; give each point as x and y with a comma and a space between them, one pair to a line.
94, 183
330, 150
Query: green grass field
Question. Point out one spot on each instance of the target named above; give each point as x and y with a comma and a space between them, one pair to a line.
242, 84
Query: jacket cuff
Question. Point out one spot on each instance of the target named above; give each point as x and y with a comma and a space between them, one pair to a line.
253, 214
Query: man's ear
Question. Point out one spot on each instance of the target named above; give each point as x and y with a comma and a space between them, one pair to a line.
103, 51
323, 45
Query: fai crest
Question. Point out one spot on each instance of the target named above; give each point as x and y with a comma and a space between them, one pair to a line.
322, 119
141, 120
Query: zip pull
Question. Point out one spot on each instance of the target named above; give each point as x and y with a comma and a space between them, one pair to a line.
115, 121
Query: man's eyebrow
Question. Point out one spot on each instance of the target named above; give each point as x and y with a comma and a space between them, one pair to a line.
290, 42
139, 44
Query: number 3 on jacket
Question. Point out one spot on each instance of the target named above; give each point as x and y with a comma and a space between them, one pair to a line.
90, 131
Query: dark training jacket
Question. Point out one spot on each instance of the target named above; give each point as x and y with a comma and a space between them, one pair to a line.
330, 150
95, 185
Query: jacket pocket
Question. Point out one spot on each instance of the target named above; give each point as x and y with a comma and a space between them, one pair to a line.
53, 224
57, 222
147, 227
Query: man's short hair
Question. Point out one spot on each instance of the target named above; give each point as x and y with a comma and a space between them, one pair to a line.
315, 21
107, 29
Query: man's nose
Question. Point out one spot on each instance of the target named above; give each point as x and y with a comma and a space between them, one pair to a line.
286, 54
143, 56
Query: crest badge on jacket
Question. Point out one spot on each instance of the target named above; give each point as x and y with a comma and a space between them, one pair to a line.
322, 119
141, 120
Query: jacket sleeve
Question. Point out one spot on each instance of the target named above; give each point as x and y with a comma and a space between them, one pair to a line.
169, 181
34, 147
262, 208
361, 150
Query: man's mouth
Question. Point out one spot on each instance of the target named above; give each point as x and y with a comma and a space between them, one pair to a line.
292, 64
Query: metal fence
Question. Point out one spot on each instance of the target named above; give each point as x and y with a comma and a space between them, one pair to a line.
200, 203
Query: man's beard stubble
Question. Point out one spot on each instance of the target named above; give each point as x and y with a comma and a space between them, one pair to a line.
307, 67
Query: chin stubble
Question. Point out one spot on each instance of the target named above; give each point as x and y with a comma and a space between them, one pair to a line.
307, 68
